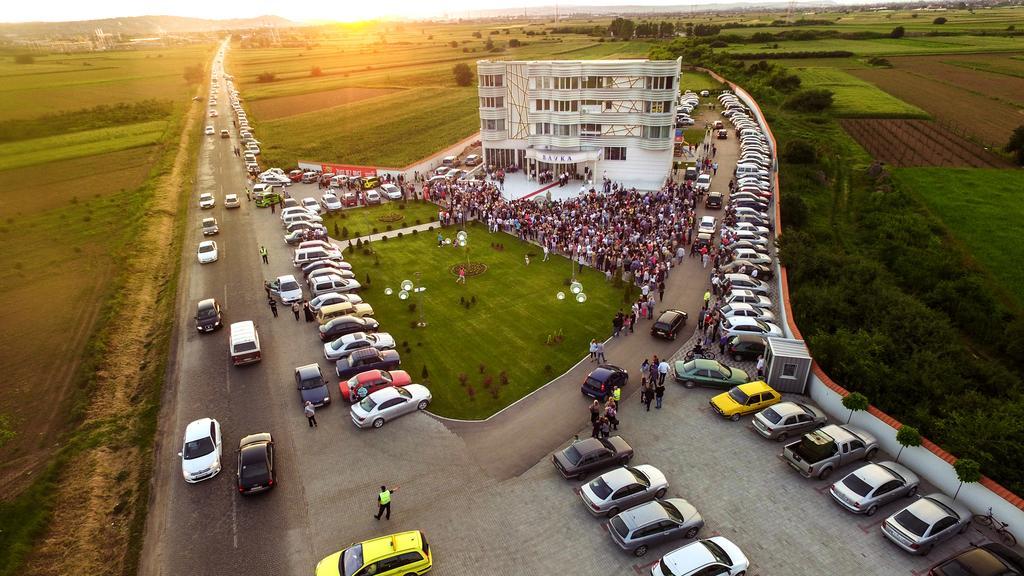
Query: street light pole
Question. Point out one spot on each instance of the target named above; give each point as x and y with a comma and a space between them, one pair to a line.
420, 289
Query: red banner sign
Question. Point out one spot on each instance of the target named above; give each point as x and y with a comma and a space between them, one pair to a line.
349, 169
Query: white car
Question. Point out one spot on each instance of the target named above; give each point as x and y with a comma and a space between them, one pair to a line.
330, 298
703, 182
472, 160
706, 225
310, 203
739, 310
201, 450
333, 251
738, 296
292, 210
213, 113
715, 555
344, 346
391, 191
207, 201
372, 197
207, 252
705, 93
739, 325
278, 171
209, 131
287, 288
275, 179
389, 403
330, 202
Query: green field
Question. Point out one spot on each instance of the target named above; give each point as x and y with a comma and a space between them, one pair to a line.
697, 81
357, 222
78, 144
516, 310
982, 209
889, 46
854, 97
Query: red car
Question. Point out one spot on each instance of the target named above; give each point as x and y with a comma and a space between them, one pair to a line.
295, 175
361, 385
350, 199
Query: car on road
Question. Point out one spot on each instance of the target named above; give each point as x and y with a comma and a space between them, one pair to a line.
209, 130
746, 347
287, 288
713, 201
787, 419
989, 559
213, 113
472, 160
703, 182
225, 134
391, 191
764, 271
926, 522
365, 383
389, 403
740, 325
330, 202
584, 456
313, 227
668, 324
600, 382
873, 485
707, 225
350, 199
343, 325
207, 252
341, 347
231, 201
256, 463
637, 529
621, 488
210, 226
201, 450
393, 555
275, 179
295, 175
716, 556
744, 399
705, 372
739, 310
367, 359
208, 315
206, 200
311, 385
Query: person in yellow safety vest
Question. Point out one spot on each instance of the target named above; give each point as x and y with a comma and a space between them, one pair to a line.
263, 254
384, 502
617, 395
707, 298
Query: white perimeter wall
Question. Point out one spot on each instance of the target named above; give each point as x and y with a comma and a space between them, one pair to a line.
644, 169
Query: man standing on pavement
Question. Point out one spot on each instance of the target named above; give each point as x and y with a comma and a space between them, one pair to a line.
600, 353
273, 306
659, 392
662, 372
296, 309
310, 413
384, 502
263, 254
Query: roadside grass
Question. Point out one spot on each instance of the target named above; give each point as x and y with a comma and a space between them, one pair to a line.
51, 149
853, 97
391, 130
515, 309
979, 207
694, 135
697, 81
367, 220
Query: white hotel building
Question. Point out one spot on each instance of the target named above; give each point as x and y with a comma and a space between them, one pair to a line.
613, 117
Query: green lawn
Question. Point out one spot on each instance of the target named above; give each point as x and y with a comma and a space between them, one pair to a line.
51, 149
889, 46
982, 209
697, 81
363, 221
854, 97
506, 329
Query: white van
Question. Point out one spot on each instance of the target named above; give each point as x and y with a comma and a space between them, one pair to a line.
245, 343
304, 255
750, 170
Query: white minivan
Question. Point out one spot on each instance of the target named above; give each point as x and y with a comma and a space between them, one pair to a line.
245, 343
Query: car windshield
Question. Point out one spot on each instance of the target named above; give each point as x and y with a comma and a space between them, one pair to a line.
640, 476
672, 511
717, 552
255, 468
856, 485
665, 568
600, 488
367, 404
209, 312
911, 523
308, 383
206, 248
764, 327
772, 416
290, 285
619, 526
351, 560
738, 396
404, 392
572, 455
197, 448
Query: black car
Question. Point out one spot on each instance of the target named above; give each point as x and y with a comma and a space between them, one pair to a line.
714, 200
749, 203
985, 560
668, 324
208, 317
600, 382
747, 347
342, 325
312, 386
591, 454
366, 359
256, 463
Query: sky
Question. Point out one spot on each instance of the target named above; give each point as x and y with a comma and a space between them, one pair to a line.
297, 10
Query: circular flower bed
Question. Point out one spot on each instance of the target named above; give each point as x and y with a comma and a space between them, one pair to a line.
474, 269
393, 217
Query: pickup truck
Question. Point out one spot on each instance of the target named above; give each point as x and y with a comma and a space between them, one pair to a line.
819, 453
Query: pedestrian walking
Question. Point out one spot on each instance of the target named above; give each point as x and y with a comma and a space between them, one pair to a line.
266, 288
247, 195
527, 259
722, 342
273, 306
296, 309
595, 426
310, 413
604, 427
593, 350
707, 298
662, 371
646, 396
271, 208
659, 392
263, 254
661, 291
546, 253
595, 411
384, 502
308, 310
645, 367
462, 276
627, 323
612, 415
652, 370
760, 366
616, 394
600, 353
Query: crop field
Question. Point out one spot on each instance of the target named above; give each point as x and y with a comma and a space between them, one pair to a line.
79, 144
972, 203
914, 21
889, 46
697, 81
919, 143
854, 97
274, 108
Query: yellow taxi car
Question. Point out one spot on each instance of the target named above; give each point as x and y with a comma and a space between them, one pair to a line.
745, 399
398, 554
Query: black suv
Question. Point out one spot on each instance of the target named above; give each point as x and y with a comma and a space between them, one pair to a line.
714, 200
312, 386
208, 316
600, 382
668, 324
746, 347
366, 359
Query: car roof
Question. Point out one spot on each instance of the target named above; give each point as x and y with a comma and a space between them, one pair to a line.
705, 364
198, 429
930, 509
207, 303
785, 409
644, 514
671, 313
384, 546
256, 441
756, 387
366, 353
308, 371
689, 557
603, 372
874, 474
369, 375
618, 478
207, 243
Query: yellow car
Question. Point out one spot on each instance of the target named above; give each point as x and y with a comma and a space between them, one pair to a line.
745, 399
397, 554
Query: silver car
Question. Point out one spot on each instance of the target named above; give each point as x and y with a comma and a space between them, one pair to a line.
786, 419
623, 487
389, 403
637, 529
928, 521
872, 485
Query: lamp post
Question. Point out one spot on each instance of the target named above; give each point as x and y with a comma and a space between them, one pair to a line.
463, 240
577, 289
407, 289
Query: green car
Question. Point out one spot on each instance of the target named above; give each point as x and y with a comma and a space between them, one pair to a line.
710, 373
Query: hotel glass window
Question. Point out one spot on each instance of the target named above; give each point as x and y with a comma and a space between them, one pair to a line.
545, 82
590, 129
542, 128
596, 81
493, 80
657, 107
607, 104
655, 132
567, 105
565, 129
488, 124
542, 105
615, 153
492, 102
660, 82
568, 83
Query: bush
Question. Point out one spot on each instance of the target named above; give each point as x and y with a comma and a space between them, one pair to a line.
898, 32
1015, 146
799, 152
939, 20
24, 59
316, 71
193, 74
463, 74
266, 77
880, 62
810, 100
719, 44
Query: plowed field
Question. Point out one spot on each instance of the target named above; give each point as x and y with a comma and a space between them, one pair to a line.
904, 143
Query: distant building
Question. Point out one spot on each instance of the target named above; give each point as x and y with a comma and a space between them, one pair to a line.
596, 117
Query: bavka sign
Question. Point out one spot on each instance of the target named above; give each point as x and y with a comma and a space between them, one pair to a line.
557, 158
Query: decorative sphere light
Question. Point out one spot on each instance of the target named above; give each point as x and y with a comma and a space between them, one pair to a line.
560, 295
461, 236
403, 295
576, 287
406, 285
581, 297
462, 243
388, 291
